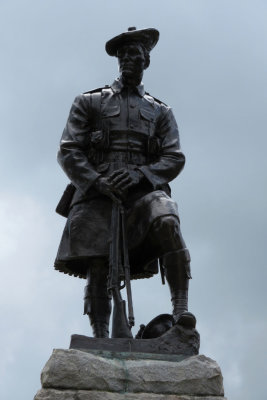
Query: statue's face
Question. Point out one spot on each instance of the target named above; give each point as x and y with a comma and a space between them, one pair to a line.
131, 60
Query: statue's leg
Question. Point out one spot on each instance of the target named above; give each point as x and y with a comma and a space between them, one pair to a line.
97, 302
177, 271
176, 266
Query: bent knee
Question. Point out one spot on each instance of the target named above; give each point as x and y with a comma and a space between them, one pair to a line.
167, 227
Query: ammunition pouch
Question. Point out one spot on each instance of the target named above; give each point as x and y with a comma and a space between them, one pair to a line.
153, 146
127, 146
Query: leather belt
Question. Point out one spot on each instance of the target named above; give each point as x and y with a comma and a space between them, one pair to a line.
127, 157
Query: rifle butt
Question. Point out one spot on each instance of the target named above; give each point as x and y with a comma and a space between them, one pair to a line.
120, 326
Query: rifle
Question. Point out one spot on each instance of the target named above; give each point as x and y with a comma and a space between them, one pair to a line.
119, 271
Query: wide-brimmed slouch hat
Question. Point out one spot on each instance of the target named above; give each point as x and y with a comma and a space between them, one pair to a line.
147, 37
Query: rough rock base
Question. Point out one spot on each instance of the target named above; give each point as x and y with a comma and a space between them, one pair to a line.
96, 395
78, 375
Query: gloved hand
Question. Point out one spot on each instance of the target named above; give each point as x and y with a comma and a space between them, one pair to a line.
105, 186
123, 179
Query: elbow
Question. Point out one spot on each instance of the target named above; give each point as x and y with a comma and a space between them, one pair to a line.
59, 157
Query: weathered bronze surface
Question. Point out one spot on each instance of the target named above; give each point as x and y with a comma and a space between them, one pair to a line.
120, 149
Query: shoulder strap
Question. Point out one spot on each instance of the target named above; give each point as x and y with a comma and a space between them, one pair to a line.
155, 99
97, 89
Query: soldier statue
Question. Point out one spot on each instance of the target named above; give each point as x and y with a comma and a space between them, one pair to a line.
121, 146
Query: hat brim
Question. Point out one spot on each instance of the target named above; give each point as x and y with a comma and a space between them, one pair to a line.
147, 37
158, 326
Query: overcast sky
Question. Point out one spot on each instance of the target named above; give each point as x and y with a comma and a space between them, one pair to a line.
210, 66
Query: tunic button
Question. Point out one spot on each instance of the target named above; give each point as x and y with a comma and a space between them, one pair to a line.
132, 105
131, 126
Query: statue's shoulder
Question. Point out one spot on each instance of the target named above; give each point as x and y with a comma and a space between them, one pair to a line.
155, 100
97, 90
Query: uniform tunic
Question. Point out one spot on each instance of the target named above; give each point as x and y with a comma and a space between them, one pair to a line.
107, 129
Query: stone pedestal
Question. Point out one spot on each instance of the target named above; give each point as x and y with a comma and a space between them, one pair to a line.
105, 375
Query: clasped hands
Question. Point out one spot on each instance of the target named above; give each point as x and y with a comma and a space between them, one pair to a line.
116, 185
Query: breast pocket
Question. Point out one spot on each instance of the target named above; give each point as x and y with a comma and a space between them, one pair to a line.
147, 121
111, 117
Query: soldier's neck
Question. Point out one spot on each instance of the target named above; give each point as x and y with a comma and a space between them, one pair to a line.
131, 81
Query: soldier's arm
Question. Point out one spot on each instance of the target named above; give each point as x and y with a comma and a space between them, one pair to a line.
72, 154
171, 159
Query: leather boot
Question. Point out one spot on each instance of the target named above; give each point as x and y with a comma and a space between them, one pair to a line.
98, 309
97, 302
177, 271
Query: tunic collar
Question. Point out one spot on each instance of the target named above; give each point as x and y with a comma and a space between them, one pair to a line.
117, 87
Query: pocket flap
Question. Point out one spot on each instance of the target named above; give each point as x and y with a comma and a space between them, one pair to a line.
111, 111
147, 114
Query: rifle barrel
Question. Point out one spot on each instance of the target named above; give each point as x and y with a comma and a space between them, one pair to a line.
126, 267
114, 248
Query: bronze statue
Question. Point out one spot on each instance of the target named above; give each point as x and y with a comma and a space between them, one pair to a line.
120, 149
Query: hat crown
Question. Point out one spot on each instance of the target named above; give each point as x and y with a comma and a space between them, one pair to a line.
148, 37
